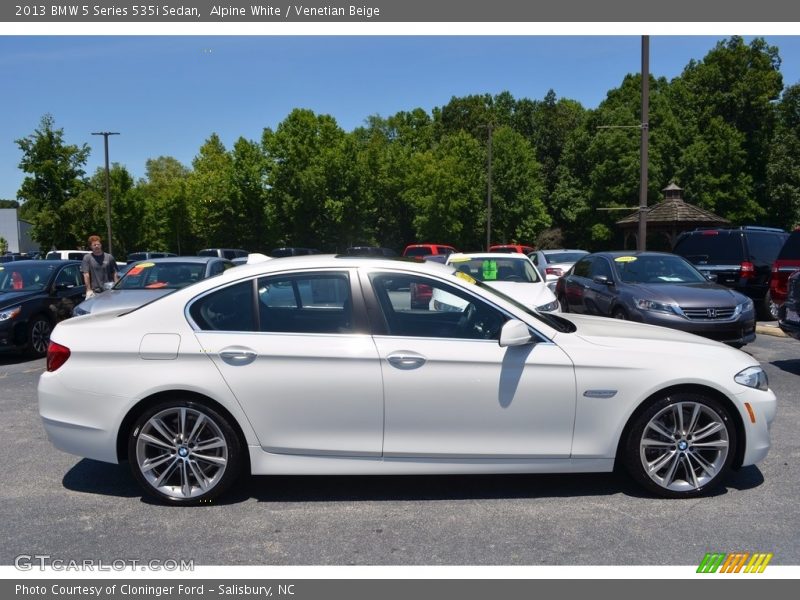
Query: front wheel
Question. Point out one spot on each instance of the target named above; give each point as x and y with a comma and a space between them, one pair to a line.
184, 452
39, 332
619, 313
681, 446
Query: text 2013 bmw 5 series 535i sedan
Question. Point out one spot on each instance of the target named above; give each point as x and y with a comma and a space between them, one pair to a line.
322, 365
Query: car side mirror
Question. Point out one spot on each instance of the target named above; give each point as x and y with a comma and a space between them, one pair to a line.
711, 276
514, 333
603, 280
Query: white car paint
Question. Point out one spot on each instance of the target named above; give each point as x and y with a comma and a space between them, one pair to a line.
361, 403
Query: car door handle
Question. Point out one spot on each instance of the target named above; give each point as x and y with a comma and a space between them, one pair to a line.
406, 360
237, 356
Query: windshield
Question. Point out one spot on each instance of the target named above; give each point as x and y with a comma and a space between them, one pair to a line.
497, 269
657, 269
14, 278
169, 275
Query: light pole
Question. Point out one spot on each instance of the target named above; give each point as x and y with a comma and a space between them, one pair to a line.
489, 127
641, 244
105, 135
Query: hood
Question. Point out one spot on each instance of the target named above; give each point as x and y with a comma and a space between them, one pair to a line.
529, 294
11, 298
604, 331
687, 294
119, 300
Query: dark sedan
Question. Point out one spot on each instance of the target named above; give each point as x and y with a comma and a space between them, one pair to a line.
34, 296
147, 280
789, 312
659, 289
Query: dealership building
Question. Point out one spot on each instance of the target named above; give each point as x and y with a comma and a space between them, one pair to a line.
16, 232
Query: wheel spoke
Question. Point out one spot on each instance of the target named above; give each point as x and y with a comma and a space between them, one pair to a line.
713, 444
708, 430
658, 427
661, 461
152, 463
689, 467
651, 443
199, 424
669, 477
153, 441
163, 429
678, 410
202, 480
186, 486
214, 460
209, 445
693, 420
167, 472
704, 464
182, 424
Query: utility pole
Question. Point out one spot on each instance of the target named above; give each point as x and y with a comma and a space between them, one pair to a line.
489, 192
105, 135
641, 243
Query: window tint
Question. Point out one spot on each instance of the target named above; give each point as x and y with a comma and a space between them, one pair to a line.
228, 309
583, 267
313, 303
599, 267
791, 248
764, 247
712, 247
416, 306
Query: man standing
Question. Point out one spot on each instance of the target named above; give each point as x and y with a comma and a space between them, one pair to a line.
98, 267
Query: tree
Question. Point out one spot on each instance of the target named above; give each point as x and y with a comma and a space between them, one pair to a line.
165, 222
210, 208
56, 176
783, 169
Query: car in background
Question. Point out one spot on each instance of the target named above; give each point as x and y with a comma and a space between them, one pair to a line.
312, 365
553, 263
15, 256
659, 289
512, 248
292, 251
66, 254
789, 311
134, 256
740, 258
788, 262
369, 251
421, 250
511, 273
34, 296
229, 253
147, 280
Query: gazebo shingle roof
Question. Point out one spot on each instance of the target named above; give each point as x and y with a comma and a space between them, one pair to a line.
676, 212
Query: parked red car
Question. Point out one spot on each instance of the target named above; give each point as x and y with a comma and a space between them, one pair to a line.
512, 248
421, 250
788, 262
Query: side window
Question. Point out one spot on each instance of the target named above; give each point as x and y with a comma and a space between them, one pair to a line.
69, 276
308, 303
415, 306
600, 266
583, 267
764, 247
227, 309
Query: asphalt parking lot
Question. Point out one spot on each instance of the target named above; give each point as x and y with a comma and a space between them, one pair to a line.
73, 509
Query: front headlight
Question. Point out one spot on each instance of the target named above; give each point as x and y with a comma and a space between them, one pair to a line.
753, 377
9, 313
550, 306
78, 311
745, 307
644, 304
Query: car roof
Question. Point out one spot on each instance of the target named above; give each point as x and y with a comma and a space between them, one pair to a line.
181, 259
334, 261
503, 255
33, 262
554, 250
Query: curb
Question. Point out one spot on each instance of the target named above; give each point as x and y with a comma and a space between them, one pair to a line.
772, 330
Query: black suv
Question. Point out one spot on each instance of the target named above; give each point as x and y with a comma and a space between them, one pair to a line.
740, 258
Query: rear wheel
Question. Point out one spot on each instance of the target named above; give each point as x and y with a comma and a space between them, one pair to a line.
770, 308
184, 452
619, 313
562, 300
681, 446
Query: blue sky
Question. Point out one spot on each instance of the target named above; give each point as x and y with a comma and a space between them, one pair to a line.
166, 95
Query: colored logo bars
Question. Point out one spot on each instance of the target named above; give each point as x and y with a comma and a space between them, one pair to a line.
735, 562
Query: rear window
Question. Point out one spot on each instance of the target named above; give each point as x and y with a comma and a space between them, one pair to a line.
711, 247
764, 247
791, 249
418, 251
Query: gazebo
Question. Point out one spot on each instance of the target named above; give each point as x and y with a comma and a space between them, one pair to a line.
669, 218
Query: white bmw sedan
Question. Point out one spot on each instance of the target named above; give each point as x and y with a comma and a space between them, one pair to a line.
320, 365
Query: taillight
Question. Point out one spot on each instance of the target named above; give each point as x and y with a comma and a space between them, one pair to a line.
747, 270
57, 355
553, 271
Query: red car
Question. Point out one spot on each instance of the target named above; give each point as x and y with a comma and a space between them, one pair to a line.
788, 262
421, 250
512, 248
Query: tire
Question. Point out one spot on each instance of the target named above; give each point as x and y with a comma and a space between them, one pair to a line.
770, 308
662, 451
38, 338
619, 313
163, 452
562, 300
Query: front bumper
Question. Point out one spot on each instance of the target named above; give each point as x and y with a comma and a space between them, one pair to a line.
740, 331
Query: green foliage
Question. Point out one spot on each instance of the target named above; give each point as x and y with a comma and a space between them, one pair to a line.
55, 176
3, 245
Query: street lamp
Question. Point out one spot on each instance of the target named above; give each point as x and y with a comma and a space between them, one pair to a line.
105, 135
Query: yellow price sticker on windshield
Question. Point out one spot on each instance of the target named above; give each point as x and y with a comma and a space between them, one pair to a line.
624, 259
465, 277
